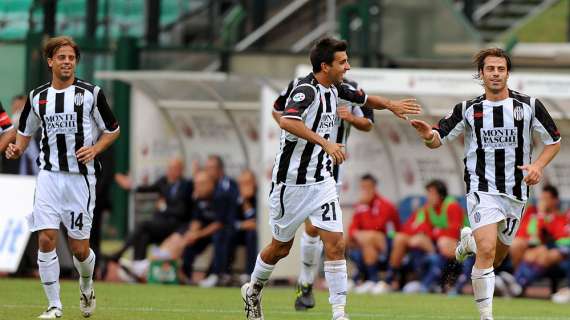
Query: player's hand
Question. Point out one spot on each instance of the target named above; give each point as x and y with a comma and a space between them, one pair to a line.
13, 151
533, 173
423, 129
86, 154
335, 151
400, 108
344, 113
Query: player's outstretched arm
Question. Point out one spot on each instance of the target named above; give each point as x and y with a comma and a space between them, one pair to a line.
88, 153
6, 138
535, 169
424, 130
298, 128
15, 150
400, 108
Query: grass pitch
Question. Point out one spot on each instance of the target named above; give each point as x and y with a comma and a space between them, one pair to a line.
24, 299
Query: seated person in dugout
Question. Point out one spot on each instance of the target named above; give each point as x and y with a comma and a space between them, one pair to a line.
172, 210
192, 238
374, 217
554, 251
429, 237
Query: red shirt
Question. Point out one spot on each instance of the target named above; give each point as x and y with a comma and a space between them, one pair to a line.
374, 216
454, 223
527, 230
559, 226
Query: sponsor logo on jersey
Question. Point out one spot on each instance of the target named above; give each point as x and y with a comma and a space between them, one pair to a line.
61, 123
518, 113
327, 123
298, 97
499, 138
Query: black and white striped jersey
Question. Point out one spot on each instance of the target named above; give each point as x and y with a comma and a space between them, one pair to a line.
342, 129
69, 119
5, 123
300, 162
498, 138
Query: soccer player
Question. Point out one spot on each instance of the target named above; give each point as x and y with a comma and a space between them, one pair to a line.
7, 132
349, 115
498, 170
303, 185
77, 125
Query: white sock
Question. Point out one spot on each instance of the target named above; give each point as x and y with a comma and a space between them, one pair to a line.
311, 248
48, 265
337, 280
483, 281
85, 269
260, 275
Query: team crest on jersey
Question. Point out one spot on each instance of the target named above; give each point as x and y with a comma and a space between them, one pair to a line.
477, 217
298, 97
518, 113
78, 99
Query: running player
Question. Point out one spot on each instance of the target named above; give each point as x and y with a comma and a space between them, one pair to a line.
77, 125
498, 170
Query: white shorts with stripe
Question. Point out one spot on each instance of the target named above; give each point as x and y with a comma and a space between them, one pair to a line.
290, 205
63, 197
485, 208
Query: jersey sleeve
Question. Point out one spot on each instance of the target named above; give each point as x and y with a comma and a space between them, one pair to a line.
300, 99
351, 94
452, 125
29, 120
102, 114
279, 104
543, 124
5, 123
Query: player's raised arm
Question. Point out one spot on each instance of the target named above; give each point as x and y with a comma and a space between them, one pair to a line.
447, 129
424, 130
399, 108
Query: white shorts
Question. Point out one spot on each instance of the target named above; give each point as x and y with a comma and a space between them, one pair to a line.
484, 209
289, 206
63, 197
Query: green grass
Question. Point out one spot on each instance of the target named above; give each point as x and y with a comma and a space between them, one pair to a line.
24, 299
549, 26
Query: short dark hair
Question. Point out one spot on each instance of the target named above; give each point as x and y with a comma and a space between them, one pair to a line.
551, 189
324, 50
439, 186
479, 59
53, 44
369, 177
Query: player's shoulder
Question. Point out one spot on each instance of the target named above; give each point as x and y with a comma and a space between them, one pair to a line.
308, 81
40, 89
471, 102
349, 83
87, 86
519, 96
306, 87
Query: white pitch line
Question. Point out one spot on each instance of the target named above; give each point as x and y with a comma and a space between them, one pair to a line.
311, 314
